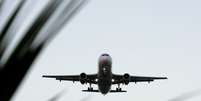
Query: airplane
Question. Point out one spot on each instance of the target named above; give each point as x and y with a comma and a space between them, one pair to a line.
104, 78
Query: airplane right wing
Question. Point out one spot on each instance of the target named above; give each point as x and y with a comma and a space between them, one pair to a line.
83, 78
126, 78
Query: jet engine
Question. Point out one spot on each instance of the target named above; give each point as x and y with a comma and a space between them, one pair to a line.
126, 78
83, 78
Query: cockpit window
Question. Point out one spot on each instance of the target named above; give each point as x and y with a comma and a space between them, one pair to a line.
105, 55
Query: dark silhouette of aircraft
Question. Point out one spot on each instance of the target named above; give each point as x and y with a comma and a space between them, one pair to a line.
104, 78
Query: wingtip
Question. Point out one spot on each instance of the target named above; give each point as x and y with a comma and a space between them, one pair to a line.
165, 78
43, 75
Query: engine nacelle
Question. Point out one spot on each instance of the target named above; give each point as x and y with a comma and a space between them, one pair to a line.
126, 78
83, 77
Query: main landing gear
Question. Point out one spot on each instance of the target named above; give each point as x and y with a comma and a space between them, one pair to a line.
118, 88
90, 88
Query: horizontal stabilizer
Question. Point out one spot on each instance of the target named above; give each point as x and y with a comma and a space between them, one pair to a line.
111, 91
115, 91
90, 90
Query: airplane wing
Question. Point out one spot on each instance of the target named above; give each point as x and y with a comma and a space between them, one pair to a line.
126, 78
83, 78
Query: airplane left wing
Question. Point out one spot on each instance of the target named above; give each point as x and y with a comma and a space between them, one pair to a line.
126, 78
64, 77
83, 78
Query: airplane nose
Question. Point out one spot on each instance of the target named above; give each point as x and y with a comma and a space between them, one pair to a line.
105, 60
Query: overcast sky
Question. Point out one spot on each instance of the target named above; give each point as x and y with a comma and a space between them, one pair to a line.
144, 37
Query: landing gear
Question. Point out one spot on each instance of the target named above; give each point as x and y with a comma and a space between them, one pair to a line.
118, 88
90, 88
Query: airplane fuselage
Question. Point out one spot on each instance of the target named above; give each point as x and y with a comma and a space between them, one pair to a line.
104, 73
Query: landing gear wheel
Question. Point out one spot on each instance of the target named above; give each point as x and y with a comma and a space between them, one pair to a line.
90, 89
118, 89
